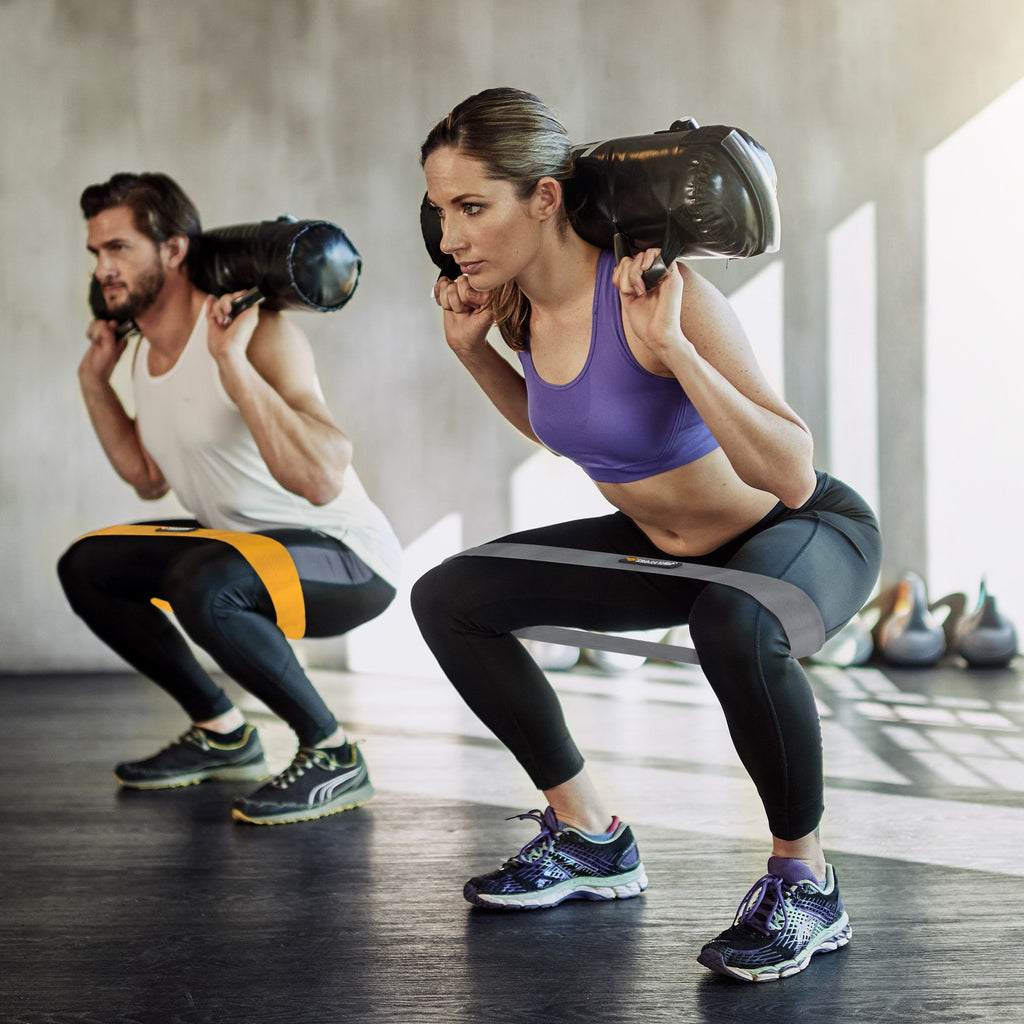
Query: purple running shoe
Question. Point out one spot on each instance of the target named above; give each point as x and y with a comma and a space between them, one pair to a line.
562, 863
785, 919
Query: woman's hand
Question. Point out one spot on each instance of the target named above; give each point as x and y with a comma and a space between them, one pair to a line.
654, 315
467, 316
229, 338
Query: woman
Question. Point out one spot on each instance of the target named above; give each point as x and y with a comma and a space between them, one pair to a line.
658, 397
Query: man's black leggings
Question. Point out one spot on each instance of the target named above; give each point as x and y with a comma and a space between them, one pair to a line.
223, 606
468, 607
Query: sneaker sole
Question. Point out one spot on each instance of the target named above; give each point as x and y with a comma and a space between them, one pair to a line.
712, 958
346, 802
617, 887
227, 773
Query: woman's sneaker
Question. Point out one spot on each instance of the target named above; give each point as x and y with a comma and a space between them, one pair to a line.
785, 919
318, 782
562, 863
197, 756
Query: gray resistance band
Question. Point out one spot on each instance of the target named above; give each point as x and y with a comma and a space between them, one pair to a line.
798, 614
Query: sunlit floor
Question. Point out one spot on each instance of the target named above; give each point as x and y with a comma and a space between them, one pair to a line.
155, 907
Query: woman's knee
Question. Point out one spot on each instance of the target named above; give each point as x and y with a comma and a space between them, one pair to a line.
454, 595
435, 594
730, 627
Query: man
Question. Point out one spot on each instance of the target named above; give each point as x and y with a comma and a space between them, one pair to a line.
230, 417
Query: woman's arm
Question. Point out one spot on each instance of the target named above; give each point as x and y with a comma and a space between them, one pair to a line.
690, 329
467, 319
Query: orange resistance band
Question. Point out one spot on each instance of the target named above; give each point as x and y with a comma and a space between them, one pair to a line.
268, 557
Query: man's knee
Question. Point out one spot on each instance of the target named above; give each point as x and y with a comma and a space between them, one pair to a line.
201, 579
75, 570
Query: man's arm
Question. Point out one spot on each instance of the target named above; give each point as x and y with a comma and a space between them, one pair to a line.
116, 430
267, 368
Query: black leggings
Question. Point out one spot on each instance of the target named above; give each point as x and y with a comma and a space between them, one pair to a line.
468, 607
223, 606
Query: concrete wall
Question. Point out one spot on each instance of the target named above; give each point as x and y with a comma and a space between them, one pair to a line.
317, 108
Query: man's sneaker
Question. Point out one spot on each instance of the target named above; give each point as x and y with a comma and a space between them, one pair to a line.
785, 919
197, 756
318, 782
562, 863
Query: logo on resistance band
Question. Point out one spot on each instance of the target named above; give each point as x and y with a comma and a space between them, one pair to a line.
658, 563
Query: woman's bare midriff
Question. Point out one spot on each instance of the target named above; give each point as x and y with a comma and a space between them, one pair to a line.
694, 509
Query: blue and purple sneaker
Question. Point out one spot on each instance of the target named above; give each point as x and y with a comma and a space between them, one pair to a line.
562, 863
785, 919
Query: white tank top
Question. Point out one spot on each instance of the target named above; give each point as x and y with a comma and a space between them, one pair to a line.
198, 438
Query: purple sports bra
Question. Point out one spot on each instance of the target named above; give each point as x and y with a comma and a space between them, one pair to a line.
616, 420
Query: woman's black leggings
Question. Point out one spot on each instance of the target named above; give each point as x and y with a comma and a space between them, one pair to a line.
224, 607
468, 607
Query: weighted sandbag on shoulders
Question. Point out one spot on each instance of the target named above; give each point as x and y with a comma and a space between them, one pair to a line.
294, 264
693, 192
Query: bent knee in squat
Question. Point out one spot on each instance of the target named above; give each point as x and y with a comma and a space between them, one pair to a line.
443, 594
723, 617
199, 582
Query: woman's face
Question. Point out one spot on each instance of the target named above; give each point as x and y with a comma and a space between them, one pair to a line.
490, 232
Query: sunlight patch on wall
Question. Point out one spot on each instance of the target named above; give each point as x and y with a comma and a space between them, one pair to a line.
391, 643
760, 305
975, 355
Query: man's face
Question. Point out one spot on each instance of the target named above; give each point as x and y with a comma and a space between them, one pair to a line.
129, 267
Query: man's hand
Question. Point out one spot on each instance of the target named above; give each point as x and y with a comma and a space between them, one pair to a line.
228, 338
102, 355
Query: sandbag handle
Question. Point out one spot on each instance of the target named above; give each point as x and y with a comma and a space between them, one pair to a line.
245, 301
658, 270
653, 275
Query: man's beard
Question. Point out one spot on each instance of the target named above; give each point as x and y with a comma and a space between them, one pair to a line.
141, 297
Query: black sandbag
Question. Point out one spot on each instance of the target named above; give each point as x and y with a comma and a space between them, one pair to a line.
707, 193
693, 192
294, 264
430, 227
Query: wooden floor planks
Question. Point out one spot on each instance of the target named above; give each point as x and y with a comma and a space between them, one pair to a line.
155, 908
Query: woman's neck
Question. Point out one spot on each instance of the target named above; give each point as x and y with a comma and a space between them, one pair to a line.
562, 274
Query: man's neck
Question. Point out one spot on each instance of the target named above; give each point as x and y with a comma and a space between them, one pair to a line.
168, 323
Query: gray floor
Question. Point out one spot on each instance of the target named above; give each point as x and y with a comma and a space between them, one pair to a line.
131, 907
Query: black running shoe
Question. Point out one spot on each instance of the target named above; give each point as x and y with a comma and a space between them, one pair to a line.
785, 919
197, 756
562, 863
317, 783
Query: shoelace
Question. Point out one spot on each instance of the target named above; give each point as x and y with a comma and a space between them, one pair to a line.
195, 736
540, 845
301, 763
764, 906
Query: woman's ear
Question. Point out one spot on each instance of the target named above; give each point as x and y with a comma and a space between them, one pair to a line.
547, 198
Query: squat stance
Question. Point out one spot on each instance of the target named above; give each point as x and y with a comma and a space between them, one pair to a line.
230, 416
657, 395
